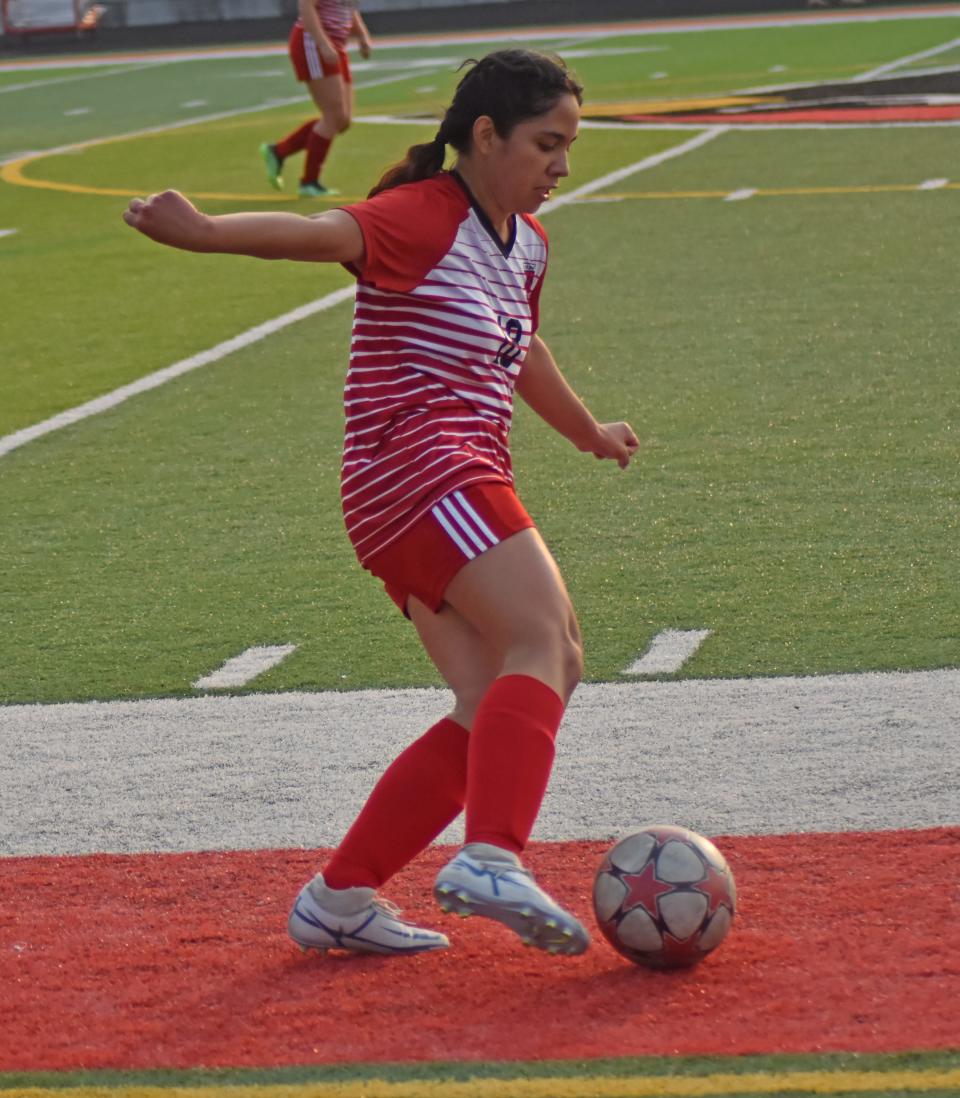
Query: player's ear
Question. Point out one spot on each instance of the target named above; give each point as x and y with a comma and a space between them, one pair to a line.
483, 133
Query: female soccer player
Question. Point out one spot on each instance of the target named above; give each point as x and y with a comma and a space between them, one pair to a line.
449, 266
318, 54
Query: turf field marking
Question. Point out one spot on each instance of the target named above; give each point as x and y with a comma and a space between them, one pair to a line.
668, 652
70, 79
110, 400
168, 373
8, 232
570, 1086
740, 195
891, 66
608, 180
239, 670
872, 754
775, 192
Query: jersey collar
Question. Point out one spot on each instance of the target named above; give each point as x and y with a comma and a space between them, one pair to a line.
505, 247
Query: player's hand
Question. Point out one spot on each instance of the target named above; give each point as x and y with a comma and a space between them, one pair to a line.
169, 218
365, 46
616, 441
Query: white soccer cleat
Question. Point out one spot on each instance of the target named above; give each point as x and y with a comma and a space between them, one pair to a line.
485, 880
355, 919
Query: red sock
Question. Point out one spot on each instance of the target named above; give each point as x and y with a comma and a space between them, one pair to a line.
510, 759
295, 141
317, 149
421, 792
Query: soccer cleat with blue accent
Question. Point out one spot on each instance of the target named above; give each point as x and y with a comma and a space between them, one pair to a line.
355, 919
274, 166
317, 190
486, 880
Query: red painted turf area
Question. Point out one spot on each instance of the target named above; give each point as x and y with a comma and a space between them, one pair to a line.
843, 942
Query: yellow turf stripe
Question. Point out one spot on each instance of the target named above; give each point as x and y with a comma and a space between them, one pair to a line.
12, 172
774, 192
644, 1086
671, 106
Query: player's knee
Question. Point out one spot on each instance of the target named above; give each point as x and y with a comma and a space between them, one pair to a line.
571, 661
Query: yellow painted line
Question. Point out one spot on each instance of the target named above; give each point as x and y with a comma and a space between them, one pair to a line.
669, 106
645, 1086
12, 173
775, 192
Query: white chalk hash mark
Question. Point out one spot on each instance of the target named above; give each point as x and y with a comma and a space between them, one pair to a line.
8, 232
241, 669
932, 184
741, 195
668, 652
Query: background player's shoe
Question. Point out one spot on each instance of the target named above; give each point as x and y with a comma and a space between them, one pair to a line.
274, 166
317, 190
486, 880
355, 919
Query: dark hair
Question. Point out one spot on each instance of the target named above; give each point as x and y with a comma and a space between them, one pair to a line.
509, 86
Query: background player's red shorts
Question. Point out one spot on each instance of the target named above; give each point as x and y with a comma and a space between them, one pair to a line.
307, 62
455, 530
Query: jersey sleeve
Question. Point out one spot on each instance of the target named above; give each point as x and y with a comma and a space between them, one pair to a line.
406, 232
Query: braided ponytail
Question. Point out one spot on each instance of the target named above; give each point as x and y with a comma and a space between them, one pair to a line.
508, 86
421, 162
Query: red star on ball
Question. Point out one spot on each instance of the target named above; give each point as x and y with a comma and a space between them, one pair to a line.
643, 889
716, 888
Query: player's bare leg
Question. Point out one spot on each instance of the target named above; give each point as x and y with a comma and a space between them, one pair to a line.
334, 99
515, 599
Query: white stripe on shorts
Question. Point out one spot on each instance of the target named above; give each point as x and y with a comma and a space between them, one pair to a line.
484, 528
313, 58
454, 536
466, 526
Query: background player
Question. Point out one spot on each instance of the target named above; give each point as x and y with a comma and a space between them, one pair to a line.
449, 265
317, 48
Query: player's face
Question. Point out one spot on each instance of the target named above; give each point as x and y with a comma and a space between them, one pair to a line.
530, 163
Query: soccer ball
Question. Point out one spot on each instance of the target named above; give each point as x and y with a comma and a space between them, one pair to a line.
664, 897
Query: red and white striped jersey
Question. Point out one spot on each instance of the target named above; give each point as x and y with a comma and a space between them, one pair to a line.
444, 316
336, 18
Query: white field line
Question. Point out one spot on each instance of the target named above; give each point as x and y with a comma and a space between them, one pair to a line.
245, 339
79, 76
239, 670
740, 195
604, 181
741, 756
168, 373
668, 652
932, 184
182, 123
8, 232
890, 66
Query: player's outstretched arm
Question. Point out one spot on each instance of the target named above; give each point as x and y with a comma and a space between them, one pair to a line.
545, 389
170, 218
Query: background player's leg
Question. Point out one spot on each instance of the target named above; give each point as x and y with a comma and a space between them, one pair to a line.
329, 94
424, 789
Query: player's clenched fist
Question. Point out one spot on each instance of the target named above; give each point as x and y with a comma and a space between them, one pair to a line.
169, 218
616, 441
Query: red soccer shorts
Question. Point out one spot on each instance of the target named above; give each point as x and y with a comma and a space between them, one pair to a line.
458, 528
307, 62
